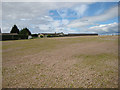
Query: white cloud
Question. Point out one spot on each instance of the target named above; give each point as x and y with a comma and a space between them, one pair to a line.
76, 24
6, 29
0, 15
81, 9
30, 14
44, 27
53, 26
91, 20
65, 22
105, 28
109, 14
99, 11
18, 10
100, 29
47, 18
35, 16
62, 12
27, 10
60, 1
23, 19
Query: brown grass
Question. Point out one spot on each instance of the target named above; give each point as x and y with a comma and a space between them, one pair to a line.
76, 62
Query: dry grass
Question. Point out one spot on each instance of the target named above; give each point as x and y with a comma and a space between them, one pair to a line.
80, 62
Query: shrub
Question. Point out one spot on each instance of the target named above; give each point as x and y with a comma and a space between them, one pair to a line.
49, 35
41, 36
23, 36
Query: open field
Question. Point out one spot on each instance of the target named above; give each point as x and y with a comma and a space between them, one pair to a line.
70, 62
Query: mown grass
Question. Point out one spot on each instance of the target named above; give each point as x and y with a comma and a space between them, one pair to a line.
24, 47
37, 75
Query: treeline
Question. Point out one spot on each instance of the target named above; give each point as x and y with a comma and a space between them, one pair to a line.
16, 34
24, 31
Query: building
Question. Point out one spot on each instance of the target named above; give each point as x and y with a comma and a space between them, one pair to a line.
8, 34
12, 36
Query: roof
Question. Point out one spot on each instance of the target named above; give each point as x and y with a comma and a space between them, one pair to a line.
8, 34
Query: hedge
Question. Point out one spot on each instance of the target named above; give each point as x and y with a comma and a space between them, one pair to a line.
14, 37
34, 35
54, 36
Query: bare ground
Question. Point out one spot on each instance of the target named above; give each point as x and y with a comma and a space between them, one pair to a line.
81, 65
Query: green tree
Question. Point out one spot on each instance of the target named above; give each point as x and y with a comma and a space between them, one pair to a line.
25, 31
14, 29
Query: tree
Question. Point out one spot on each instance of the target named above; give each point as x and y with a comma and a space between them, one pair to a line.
25, 31
0, 30
14, 29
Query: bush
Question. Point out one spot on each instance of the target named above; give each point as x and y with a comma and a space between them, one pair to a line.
41, 36
49, 35
34, 35
23, 36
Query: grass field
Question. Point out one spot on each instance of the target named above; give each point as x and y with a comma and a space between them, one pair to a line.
67, 62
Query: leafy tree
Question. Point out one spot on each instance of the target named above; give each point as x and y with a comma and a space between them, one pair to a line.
25, 31
14, 29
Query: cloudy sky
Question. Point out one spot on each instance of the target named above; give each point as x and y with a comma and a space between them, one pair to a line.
66, 17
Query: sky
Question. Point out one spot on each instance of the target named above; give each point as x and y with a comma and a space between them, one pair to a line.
66, 17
